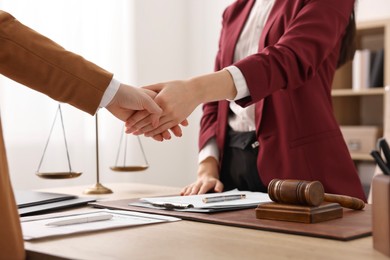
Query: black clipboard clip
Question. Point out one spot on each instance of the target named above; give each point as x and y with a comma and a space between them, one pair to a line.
383, 163
171, 206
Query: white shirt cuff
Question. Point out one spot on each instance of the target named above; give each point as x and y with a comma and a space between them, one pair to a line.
110, 92
209, 150
239, 82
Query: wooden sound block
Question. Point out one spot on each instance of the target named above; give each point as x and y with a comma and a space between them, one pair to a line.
297, 213
381, 213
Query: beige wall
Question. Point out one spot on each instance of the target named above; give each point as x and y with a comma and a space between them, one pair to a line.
373, 9
173, 40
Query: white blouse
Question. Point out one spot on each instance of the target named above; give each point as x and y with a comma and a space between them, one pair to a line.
242, 119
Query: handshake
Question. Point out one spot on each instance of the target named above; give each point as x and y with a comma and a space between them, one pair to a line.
155, 110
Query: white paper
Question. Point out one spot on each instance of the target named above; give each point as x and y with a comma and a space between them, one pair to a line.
251, 199
36, 227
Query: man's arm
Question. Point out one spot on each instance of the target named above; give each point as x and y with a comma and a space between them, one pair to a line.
39, 63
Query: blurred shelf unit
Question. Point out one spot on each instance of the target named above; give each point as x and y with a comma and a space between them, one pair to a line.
360, 90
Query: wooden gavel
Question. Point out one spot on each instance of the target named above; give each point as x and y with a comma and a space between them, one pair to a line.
310, 193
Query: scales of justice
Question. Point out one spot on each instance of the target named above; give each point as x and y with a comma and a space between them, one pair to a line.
98, 188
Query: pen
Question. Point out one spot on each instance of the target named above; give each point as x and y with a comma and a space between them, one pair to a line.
224, 198
80, 220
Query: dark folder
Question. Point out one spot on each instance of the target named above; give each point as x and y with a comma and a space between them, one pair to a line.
36, 202
28, 198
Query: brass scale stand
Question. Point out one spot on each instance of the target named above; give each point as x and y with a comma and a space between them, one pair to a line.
98, 188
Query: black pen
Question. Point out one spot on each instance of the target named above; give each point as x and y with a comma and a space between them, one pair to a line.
224, 198
378, 159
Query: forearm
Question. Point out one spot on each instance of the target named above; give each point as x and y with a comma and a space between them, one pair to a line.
208, 168
179, 98
212, 87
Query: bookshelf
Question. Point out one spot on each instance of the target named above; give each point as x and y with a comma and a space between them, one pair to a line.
365, 106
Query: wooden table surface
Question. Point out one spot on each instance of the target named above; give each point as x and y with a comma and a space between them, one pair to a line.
189, 239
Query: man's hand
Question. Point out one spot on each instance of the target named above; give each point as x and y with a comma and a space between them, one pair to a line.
177, 102
179, 98
129, 99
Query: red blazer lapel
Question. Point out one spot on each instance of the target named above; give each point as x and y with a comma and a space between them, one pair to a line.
234, 26
233, 32
275, 12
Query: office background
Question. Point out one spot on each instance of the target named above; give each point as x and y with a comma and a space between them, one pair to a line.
141, 42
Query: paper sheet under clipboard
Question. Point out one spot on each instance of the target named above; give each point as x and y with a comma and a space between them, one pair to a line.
36, 227
194, 203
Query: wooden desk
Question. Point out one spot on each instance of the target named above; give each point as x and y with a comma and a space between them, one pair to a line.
190, 240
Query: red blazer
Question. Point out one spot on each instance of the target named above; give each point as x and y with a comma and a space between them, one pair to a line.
290, 80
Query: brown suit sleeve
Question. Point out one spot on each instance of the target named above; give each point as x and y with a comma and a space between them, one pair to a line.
39, 63
11, 241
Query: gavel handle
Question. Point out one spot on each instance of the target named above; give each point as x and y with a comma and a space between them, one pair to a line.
345, 201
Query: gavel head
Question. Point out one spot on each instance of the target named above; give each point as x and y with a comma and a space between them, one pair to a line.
309, 193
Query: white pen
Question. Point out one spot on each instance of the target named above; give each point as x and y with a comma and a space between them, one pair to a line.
224, 198
80, 220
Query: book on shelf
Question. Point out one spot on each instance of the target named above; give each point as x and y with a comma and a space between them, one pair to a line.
361, 69
367, 69
377, 69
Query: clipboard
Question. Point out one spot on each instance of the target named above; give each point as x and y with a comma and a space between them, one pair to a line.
354, 223
206, 203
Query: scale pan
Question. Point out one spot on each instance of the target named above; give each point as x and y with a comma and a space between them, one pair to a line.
58, 175
135, 168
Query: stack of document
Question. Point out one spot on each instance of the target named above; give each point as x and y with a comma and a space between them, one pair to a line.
213, 202
57, 224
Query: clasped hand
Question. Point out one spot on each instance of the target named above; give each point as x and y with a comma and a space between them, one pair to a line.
177, 103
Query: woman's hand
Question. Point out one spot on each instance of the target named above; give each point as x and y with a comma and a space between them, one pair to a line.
177, 102
208, 179
179, 98
128, 100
